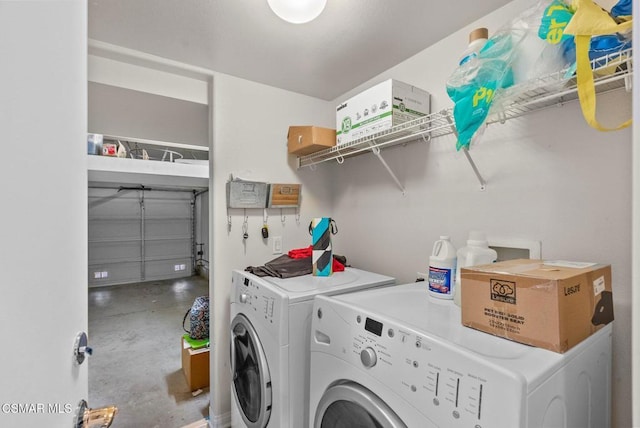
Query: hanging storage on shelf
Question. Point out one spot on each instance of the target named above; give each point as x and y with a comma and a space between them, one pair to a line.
598, 34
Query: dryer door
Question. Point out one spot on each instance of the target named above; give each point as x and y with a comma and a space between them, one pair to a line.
351, 405
250, 374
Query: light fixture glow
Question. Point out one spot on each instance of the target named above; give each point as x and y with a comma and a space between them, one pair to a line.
297, 11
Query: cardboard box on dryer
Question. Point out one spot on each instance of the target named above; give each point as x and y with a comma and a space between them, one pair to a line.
380, 107
548, 304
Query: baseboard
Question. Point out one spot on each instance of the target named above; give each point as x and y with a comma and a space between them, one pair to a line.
219, 421
202, 423
203, 271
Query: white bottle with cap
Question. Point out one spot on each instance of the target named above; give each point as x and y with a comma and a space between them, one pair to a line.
477, 39
442, 269
477, 252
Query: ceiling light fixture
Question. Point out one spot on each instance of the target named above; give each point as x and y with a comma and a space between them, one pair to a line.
297, 11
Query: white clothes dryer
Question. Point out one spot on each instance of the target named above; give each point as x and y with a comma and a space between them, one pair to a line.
398, 358
270, 338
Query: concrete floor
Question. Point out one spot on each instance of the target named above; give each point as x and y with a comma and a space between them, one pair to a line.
135, 331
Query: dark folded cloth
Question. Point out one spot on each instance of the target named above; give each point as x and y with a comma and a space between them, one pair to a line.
285, 266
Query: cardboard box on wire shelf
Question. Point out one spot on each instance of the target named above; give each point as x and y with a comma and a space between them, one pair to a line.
548, 304
379, 108
304, 140
195, 365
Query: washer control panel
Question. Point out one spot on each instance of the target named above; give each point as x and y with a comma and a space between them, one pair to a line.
255, 299
452, 387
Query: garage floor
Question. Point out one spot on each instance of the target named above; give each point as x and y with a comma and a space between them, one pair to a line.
135, 331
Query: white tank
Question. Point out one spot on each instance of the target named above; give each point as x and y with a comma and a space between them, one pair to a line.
442, 269
477, 252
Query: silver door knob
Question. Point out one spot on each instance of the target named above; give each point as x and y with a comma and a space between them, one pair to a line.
80, 348
368, 357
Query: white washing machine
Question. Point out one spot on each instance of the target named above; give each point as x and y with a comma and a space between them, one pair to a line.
396, 358
270, 338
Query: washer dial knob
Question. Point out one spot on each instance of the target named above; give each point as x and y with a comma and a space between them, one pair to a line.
244, 298
368, 357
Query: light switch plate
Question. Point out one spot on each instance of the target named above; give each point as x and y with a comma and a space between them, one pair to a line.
277, 245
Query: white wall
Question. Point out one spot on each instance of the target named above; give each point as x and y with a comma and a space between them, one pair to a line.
250, 129
549, 177
43, 239
134, 113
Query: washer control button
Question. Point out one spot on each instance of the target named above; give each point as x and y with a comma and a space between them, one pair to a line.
368, 357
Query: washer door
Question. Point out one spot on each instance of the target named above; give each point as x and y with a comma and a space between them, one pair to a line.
250, 374
350, 405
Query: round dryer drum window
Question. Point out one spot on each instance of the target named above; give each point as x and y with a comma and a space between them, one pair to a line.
346, 414
251, 379
350, 405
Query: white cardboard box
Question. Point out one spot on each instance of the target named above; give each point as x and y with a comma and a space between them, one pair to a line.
387, 104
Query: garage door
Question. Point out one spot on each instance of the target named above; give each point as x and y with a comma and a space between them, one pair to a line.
140, 235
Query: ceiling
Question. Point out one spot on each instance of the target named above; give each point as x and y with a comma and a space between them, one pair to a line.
351, 42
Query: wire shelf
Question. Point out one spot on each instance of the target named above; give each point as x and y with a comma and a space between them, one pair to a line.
611, 73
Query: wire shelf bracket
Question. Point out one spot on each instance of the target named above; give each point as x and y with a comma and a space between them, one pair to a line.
376, 151
483, 183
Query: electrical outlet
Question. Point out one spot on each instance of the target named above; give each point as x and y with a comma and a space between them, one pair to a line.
104, 274
183, 267
97, 275
277, 245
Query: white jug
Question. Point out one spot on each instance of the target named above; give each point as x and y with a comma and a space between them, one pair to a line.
477, 252
442, 269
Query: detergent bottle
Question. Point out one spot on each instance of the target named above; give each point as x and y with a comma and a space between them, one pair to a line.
477, 39
442, 269
477, 252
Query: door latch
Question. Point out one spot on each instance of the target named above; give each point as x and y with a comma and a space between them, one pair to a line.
80, 348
